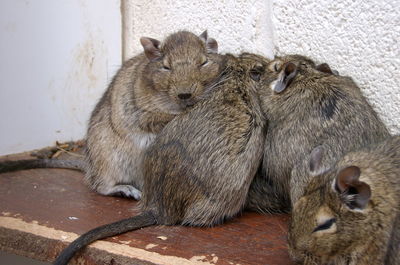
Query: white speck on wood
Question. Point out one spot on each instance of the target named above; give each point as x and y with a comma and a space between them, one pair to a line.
149, 246
198, 258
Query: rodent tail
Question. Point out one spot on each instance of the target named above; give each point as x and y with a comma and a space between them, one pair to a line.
113, 229
8, 166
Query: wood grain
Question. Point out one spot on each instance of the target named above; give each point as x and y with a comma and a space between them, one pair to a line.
43, 209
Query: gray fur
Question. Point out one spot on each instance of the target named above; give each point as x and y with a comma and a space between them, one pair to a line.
202, 163
199, 168
140, 101
362, 236
147, 92
317, 108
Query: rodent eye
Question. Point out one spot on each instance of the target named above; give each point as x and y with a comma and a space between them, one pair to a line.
256, 73
164, 67
204, 63
326, 225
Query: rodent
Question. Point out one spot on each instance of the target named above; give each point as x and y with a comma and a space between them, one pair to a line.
147, 92
198, 170
350, 213
307, 105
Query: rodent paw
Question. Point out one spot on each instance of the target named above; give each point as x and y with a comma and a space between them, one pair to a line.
127, 191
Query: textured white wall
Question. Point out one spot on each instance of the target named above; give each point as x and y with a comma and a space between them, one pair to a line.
237, 25
358, 38
57, 58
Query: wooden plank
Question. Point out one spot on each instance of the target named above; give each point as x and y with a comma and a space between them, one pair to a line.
44, 209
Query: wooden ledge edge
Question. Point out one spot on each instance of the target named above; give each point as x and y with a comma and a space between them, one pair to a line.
44, 243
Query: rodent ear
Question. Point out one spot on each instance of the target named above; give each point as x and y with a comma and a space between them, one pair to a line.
211, 44
354, 193
285, 77
151, 48
316, 157
204, 36
325, 68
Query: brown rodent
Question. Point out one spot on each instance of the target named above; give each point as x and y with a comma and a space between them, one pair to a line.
350, 213
307, 105
198, 170
147, 92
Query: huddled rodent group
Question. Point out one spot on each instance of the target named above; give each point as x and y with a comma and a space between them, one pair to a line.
147, 92
315, 117
307, 105
199, 168
205, 135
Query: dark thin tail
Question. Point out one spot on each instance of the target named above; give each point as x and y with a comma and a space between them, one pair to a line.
113, 229
8, 166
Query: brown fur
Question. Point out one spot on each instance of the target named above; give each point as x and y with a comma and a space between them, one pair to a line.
199, 169
315, 108
147, 92
201, 165
362, 235
142, 98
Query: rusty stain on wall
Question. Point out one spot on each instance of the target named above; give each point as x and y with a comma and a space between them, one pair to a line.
87, 77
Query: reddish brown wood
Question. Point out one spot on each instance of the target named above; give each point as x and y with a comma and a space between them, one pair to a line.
51, 197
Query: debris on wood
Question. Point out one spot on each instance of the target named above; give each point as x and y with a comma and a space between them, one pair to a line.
71, 148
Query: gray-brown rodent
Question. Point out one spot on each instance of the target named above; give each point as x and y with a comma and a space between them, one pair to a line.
350, 213
198, 170
147, 92
307, 105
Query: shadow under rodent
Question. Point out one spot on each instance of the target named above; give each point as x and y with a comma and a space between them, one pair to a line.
147, 92
349, 213
199, 168
307, 105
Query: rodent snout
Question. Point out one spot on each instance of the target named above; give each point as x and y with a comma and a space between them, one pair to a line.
185, 96
186, 99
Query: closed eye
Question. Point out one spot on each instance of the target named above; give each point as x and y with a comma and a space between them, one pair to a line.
204, 63
276, 67
324, 226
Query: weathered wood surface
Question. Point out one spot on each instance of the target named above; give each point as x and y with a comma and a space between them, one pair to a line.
42, 210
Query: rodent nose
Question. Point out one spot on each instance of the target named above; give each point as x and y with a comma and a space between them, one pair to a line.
185, 95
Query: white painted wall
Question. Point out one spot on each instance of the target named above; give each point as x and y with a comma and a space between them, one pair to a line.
237, 25
57, 58
358, 38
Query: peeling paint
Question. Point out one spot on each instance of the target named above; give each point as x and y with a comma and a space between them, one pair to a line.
203, 258
198, 258
110, 247
149, 246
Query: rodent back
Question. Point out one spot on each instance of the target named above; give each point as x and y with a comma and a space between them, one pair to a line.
199, 168
307, 107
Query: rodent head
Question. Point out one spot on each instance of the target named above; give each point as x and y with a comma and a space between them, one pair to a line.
182, 69
332, 218
291, 69
288, 80
247, 69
